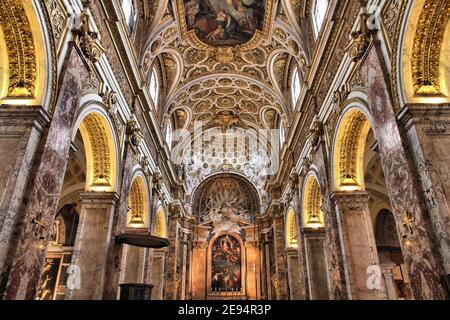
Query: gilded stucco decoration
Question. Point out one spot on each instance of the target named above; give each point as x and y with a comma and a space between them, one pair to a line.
312, 204
291, 229
100, 153
21, 49
137, 203
349, 151
427, 45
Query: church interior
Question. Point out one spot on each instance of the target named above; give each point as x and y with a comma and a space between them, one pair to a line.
224, 149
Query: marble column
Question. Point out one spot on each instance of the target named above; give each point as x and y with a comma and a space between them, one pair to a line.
314, 242
419, 246
92, 242
428, 134
21, 130
115, 250
198, 270
171, 271
27, 250
267, 268
158, 272
184, 264
296, 287
280, 265
358, 243
253, 271
386, 271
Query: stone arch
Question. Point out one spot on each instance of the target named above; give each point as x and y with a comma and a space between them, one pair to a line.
101, 149
27, 54
313, 216
291, 229
424, 46
161, 223
348, 150
137, 216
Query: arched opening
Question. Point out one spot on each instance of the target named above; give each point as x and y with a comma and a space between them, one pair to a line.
88, 186
359, 179
391, 258
23, 55
138, 204
224, 263
291, 230
423, 57
100, 153
314, 240
161, 223
312, 205
349, 149
55, 274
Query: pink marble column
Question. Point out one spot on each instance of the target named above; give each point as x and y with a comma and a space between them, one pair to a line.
295, 275
21, 130
317, 267
419, 245
171, 272
280, 265
28, 246
92, 241
358, 243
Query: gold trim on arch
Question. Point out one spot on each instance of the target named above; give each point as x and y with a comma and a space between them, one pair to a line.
161, 225
137, 202
349, 151
256, 39
427, 47
100, 154
291, 231
312, 205
20, 44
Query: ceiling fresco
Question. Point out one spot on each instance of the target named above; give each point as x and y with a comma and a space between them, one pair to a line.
224, 22
226, 64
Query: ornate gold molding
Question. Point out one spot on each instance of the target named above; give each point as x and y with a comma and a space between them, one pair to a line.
348, 150
137, 203
291, 230
427, 46
101, 152
312, 204
21, 49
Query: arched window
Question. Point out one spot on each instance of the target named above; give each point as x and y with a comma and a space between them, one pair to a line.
319, 11
282, 134
295, 88
169, 131
130, 14
154, 88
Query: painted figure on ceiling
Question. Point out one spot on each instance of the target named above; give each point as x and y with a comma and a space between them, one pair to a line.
224, 22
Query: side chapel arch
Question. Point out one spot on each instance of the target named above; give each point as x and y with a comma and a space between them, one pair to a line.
26, 62
312, 204
348, 151
101, 150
